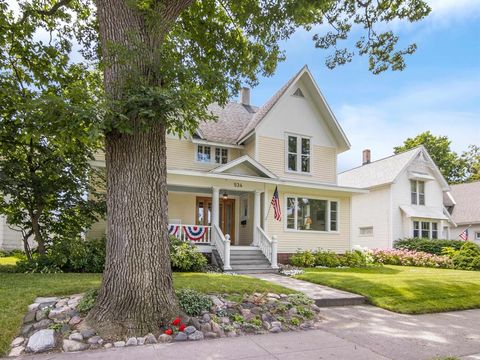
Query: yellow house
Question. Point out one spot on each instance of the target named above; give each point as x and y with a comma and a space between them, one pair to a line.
221, 180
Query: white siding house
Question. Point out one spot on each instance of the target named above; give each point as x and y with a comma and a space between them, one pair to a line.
405, 199
465, 210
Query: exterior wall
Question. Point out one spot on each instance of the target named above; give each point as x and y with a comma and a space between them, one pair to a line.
97, 230
250, 148
289, 241
182, 206
9, 239
372, 209
455, 232
271, 154
245, 231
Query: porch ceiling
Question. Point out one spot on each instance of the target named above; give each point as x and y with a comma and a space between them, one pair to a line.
202, 190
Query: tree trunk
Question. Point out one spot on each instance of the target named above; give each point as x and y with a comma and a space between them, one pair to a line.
137, 294
38, 235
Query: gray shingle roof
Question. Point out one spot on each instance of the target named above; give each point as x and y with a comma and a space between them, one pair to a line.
379, 172
467, 197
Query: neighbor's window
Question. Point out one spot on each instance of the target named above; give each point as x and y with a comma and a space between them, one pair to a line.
477, 235
298, 153
425, 229
417, 190
204, 154
416, 229
366, 231
312, 214
434, 230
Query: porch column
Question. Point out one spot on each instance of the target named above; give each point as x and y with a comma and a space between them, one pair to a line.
215, 206
256, 215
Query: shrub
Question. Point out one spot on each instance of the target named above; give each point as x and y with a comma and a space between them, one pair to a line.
327, 259
429, 246
354, 258
410, 258
87, 301
468, 257
185, 256
193, 302
303, 259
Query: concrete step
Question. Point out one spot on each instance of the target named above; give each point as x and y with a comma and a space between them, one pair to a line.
247, 257
245, 252
250, 262
254, 271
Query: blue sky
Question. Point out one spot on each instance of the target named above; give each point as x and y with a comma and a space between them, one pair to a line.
438, 91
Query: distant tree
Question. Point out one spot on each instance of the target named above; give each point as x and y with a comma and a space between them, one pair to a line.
449, 163
471, 157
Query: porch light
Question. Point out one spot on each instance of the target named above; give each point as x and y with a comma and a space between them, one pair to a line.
225, 196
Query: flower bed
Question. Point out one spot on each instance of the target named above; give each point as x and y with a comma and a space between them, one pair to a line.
410, 258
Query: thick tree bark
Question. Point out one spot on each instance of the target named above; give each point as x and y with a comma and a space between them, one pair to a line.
137, 293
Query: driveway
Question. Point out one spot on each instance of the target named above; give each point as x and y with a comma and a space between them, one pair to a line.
355, 332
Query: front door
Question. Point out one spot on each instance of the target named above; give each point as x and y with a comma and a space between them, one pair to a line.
226, 214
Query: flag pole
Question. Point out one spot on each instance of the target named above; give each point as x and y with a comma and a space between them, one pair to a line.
268, 212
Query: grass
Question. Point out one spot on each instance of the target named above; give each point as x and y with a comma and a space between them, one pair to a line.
407, 290
17, 291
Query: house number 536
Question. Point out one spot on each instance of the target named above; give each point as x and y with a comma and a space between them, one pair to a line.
237, 185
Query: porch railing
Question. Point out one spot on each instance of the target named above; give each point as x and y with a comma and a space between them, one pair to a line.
198, 234
222, 245
268, 246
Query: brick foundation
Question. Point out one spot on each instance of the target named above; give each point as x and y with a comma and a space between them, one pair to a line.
284, 258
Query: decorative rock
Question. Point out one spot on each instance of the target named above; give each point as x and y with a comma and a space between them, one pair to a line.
197, 335
211, 335
256, 310
292, 311
274, 296
267, 325
206, 318
267, 317
46, 305
194, 322
225, 320
76, 336
41, 300
108, 346
59, 313
181, 336
33, 306
277, 324
40, 315
42, 324
61, 303
94, 340
140, 340
165, 339
75, 320
65, 329
275, 329
29, 317
150, 339
206, 328
216, 301
189, 330
132, 341
26, 330
42, 340
16, 351
87, 333
217, 329
72, 345
231, 334
17, 341
247, 314
119, 344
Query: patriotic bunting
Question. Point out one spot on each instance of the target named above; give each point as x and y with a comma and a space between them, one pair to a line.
173, 230
194, 233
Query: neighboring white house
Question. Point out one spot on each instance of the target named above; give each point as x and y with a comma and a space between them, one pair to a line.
465, 209
10, 239
405, 199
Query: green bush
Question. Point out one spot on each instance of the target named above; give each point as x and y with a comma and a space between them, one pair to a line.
19, 254
354, 259
468, 257
303, 259
87, 301
425, 245
327, 259
193, 302
185, 256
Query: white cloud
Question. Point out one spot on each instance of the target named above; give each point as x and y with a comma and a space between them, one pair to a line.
386, 123
446, 11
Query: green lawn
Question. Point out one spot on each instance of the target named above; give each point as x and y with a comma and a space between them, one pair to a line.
17, 291
408, 290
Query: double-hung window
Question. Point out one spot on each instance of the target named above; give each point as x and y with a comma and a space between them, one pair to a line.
425, 229
417, 191
298, 153
312, 214
212, 154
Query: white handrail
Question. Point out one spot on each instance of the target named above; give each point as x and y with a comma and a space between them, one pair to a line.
267, 246
222, 244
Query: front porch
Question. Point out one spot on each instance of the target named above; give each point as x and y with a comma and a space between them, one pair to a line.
226, 222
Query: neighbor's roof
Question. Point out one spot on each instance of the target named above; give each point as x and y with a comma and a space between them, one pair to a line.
379, 172
467, 197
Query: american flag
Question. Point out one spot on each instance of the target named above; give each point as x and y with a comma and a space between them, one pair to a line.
464, 234
277, 213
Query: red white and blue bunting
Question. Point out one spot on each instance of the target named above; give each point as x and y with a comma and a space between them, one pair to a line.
173, 230
194, 233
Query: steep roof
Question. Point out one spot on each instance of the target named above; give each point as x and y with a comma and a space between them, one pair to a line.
467, 198
379, 172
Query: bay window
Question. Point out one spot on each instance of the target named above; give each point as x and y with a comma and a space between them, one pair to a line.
311, 214
298, 153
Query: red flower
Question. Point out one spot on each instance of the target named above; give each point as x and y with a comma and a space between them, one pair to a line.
182, 327
176, 321
169, 332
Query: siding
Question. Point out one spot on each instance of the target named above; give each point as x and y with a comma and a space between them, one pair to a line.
9, 239
245, 231
291, 241
250, 148
97, 230
182, 206
271, 154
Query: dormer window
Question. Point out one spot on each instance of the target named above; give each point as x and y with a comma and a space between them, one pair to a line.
417, 191
298, 150
212, 154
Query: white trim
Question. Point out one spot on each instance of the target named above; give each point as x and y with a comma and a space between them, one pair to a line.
216, 144
298, 153
212, 154
242, 159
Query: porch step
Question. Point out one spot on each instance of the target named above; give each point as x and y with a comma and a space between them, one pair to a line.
234, 261
246, 261
252, 269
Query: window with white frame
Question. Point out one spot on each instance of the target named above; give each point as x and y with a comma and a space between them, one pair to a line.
212, 154
298, 153
366, 231
417, 191
312, 214
425, 229
477, 235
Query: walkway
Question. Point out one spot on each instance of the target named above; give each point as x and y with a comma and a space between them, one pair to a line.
323, 295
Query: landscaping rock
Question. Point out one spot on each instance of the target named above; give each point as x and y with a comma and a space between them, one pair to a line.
87, 333
29, 317
217, 329
16, 351
59, 313
61, 303
267, 317
140, 340
194, 322
108, 345
118, 344
181, 336
40, 315
72, 345
65, 329
197, 335
17, 341
211, 335
275, 329
206, 318
150, 339
75, 320
42, 340
274, 296
132, 341
247, 314
26, 330
225, 320
165, 339
206, 328
231, 334
189, 330
94, 340
217, 302
41, 300
42, 324
33, 306
76, 336
46, 305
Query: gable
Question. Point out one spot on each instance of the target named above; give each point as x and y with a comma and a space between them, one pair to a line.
244, 166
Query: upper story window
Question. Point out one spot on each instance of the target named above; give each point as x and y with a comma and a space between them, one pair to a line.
212, 154
417, 191
312, 214
298, 153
